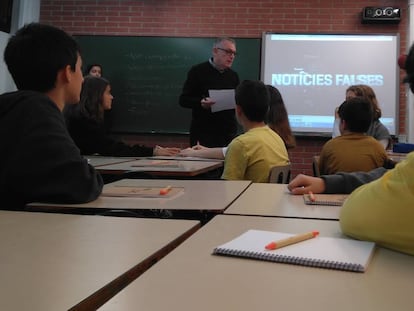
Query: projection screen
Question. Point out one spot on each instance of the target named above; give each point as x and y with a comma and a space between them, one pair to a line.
313, 71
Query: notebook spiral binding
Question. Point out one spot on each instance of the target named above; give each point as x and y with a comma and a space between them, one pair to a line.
325, 264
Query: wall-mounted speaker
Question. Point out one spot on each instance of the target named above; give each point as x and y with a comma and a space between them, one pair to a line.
381, 15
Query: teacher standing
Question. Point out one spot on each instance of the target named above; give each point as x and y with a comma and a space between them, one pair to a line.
211, 129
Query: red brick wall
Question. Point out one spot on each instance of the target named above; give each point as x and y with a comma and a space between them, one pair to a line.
207, 18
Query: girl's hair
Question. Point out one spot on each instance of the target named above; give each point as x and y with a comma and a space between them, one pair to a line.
277, 117
91, 96
368, 93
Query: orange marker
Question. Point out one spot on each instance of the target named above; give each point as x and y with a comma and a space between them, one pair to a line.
165, 190
311, 196
291, 240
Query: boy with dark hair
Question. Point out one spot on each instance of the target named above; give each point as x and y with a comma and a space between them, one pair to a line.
251, 155
39, 160
355, 115
353, 150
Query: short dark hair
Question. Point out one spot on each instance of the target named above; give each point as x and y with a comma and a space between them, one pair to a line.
253, 98
357, 113
36, 53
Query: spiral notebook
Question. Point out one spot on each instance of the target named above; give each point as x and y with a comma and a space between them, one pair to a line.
325, 199
322, 252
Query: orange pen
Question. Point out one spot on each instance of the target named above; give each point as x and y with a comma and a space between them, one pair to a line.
165, 190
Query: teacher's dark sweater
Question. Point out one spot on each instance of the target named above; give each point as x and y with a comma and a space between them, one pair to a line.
209, 129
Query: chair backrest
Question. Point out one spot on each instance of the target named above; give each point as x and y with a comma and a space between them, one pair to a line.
280, 174
315, 166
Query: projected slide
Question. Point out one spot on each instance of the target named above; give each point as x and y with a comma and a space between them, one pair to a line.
313, 71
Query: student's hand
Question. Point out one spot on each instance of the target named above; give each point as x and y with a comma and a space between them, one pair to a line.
160, 151
188, 152
199, 147
302, 184
207, 102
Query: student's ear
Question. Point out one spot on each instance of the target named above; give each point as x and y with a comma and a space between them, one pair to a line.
68, 73
342, 125
239, 111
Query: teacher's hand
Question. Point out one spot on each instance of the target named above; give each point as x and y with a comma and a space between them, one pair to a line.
207, 102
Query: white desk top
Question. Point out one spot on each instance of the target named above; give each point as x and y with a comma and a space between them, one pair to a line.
97, 161
181, 158
262, 199
154, 166
54, 261
200, 195
190, 278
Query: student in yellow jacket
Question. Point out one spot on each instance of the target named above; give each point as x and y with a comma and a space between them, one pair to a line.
383, 210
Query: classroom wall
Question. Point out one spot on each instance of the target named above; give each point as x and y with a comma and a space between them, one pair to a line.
239, 19
24, 11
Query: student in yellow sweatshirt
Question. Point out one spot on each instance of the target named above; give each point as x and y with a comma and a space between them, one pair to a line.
383, 210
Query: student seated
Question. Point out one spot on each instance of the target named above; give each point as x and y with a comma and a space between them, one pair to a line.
94, 70
85, 123
376, 128
277, 119
39, 160
353, 150
382, 210
251, 155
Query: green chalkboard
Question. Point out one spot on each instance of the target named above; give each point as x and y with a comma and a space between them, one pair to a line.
147, 75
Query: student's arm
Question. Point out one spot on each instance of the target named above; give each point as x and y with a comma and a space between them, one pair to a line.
380, 133
165, 151
348, 182
336, 183
92, 138
203, 152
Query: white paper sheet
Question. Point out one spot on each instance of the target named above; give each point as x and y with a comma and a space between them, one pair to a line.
224, 100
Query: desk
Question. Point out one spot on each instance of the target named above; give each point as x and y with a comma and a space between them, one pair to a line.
198, 195
181, 158
275, 200
396, 156
190, 278
53, 261
181, 168
97, 161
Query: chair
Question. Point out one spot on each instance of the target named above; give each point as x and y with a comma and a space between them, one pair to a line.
280, 174
315, 166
